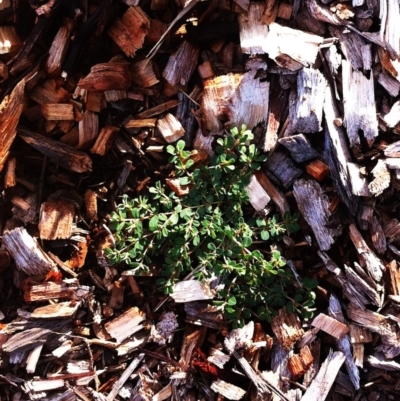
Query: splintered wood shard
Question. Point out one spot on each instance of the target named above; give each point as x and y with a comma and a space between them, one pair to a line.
26, 339
62, 154
125, 324
284, 42
235, 98
378, 324
337, 153
287, 328
253, 29
314, 206
10, 112
107, 76
58, 49
50, 290
306, 105
344, 345
320, 386
130, 31
360, 110
372, 262
389, 13
228, 390
28, 255
56, 311
181, 64
299, 147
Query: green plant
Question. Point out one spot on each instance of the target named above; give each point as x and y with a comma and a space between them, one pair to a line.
207, 234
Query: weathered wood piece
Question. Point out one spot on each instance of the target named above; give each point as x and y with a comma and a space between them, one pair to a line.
377, 323
360, 110
191, 290
11, 108
277, 104
391, 85
26, 340
55, 219
344, 345
369, 259
394, 274
378, 236
299, 364
58, 111
104, 140
272, 192
113, 75
88, 130
280, 166
317, 169
291, 48
67, 289
287, 329
319, 388
258, 197
9, 174
170, 128
389, 13
28, 255
235, 99
59, 48
124, 377
299, 147
62, 154
130, 31
228, 390
330, 325
181, 64
363, 284
59, 310
253, 29
337, 153
305, 114
126, 324
314, 206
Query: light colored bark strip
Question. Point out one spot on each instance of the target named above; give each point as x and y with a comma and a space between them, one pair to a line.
124, 377
253, 29
360, 110
27, 253
372, 262
344, 345
314, 206
228, 390
11, 109
323, 382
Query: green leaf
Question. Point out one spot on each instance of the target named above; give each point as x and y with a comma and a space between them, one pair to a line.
231, 300
246, 241
180, 145
153, 223
184, 181
174, 218
264, 235
170, 150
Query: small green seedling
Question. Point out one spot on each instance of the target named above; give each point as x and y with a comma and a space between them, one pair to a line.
207, 234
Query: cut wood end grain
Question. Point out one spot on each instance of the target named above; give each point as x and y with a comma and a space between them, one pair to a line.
330, 326
170, 128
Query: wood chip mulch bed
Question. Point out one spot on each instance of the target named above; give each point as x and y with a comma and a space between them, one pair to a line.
92, 92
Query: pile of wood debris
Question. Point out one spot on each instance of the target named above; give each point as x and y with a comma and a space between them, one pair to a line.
93, 90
